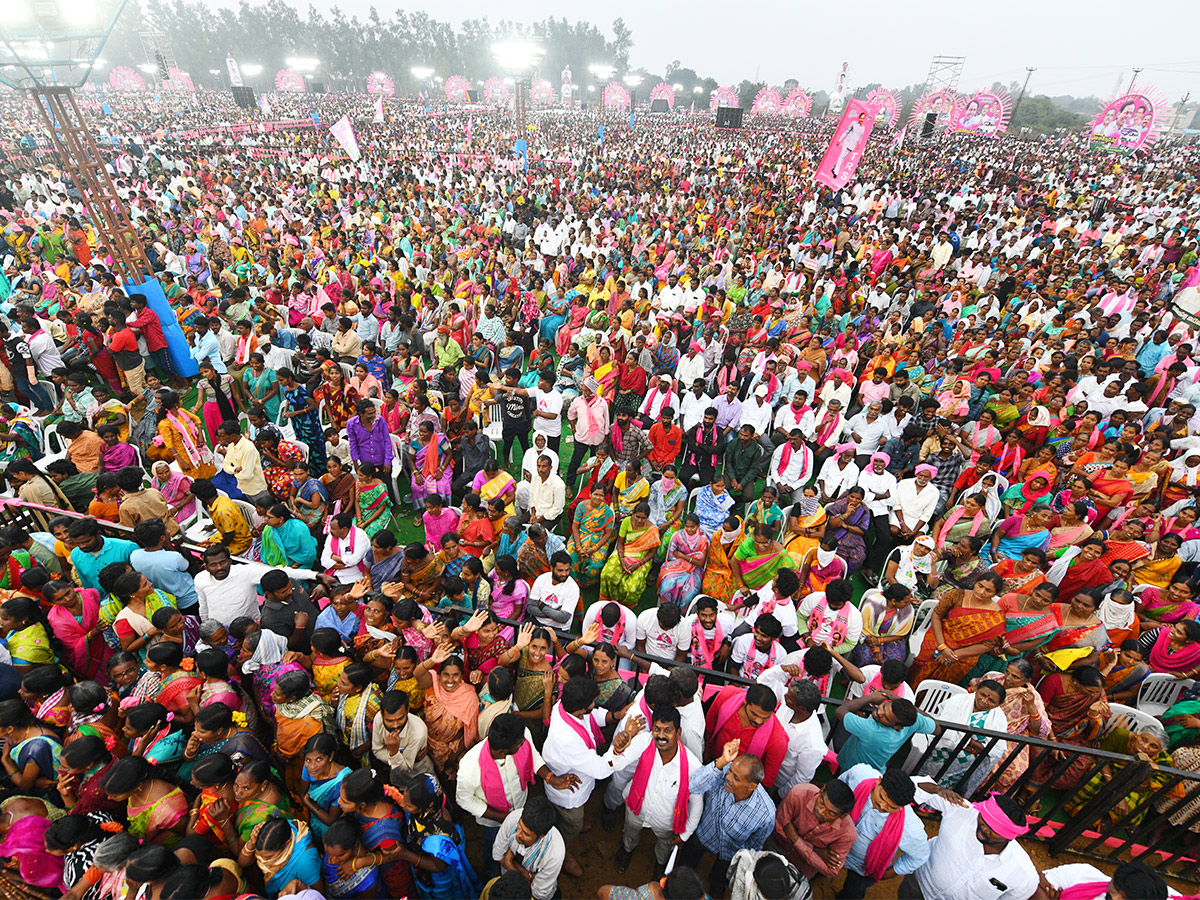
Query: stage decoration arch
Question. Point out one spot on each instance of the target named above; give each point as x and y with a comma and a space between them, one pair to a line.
456, 89
889, 106
495, 91
798, 103
124, 78
724, 96
1131, 121
663, 91
287, 81
541, 92
767, 102
616, 97
942, 102
985, 112
378, 83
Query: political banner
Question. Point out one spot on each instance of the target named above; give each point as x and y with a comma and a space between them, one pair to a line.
379, 110
235, 72
847, 146
1124, 124
984, 113
343, 133
898, 140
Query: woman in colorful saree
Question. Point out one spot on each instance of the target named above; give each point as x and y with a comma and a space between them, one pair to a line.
18, 435
1159, 606
631, 488
84, 763
847, 523
1073, 527
262, 385
1111, 488
494, 483
302, 412
1080, 568
713, 504
286, 541
156, 810
1156, 570
964, 625
681, 574
451, 709
1147, 747
667, 498
75, 620
300, 715
29, 756
339, 398
277, 456
166, 660
623, 577
1023, 574
1024, 714
383, 831
308, 499
443, 871
432, 465
28, 635
322, 777
1020, 499
592, 529
601, 471
176, 489
1021, 531
719, 579
758, 558
1078, 635
180, 433
259, 797
888, 617
265, 656
284, 851
357, 702
373, 505
1077, 708
1173, 649
807, 521
821, 565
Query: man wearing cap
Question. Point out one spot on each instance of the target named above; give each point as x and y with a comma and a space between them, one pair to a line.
588, 415
756, 412
791, 466
660, 396
976, 854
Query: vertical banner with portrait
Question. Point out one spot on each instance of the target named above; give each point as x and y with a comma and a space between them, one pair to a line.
849, 142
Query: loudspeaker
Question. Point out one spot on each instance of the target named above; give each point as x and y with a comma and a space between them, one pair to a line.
659, 105
316, 87
474, 96
927, 125
244, 97
161, 62
729, 117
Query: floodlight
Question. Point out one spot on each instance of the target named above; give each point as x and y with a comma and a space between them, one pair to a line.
251, 69
517, 56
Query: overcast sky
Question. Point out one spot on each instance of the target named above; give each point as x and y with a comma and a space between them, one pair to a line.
1079, 48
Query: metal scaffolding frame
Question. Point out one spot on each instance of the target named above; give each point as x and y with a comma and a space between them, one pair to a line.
944, 74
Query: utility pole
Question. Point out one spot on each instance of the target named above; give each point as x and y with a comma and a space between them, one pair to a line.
1132, 80
1179, 112
1029, 70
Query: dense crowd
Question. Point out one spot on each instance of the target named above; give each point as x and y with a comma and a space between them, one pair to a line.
644, 468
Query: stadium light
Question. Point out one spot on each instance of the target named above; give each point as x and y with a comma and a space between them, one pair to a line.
602, 71
633, 80
698, 89
677, 87
302, 63
423, 73
148, 68
251, 69
517, 56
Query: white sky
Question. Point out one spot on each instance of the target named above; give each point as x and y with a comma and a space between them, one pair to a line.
1079, 47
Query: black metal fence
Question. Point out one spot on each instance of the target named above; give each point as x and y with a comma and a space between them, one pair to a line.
1128, 817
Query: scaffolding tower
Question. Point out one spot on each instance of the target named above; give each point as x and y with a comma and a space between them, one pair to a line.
161, 55
944, 74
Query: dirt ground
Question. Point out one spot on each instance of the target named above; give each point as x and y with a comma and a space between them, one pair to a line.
596, 848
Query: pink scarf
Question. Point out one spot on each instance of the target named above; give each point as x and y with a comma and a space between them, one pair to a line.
751, 668
708, 652
194, 454
785, 457
1162, 659
493, 785
617, 438
883, 849
641, 778
762, 734
617, 631
951, 519
591, 739
243, 350
828, 427
816, 619
591, 425
1091, 890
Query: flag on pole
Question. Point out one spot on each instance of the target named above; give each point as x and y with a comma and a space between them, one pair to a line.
470, 130
693, 112
379, 110
898, 140
343, 133
265, 105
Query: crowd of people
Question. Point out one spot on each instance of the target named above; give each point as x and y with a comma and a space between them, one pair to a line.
646, 468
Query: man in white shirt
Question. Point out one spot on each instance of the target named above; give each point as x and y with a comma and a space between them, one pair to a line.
527, 842
826, 615
756, 412
345, 550
691, 712
1130, 880
774, 599
554, 595
692, 405
691, 365
806, 744
879, 486
656, 633
547, 496
657, 796
529, 458
570, 749
617, 625
242, 460
791, 467
400, 742
660, 396
791, 416
702, 636
976, 854
916, 500
226, 591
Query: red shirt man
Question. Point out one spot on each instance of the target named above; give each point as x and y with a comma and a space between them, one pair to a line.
743, 713
666, 441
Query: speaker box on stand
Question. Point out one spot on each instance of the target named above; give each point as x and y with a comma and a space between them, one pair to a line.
729, 117
474, 96
316, 87
244, 97
928, 124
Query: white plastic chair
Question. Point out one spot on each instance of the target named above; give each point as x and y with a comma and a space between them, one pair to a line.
692, 495
495, 422
931, 694
53, 444
198, 531
922, 621
1121, 716
1159, 692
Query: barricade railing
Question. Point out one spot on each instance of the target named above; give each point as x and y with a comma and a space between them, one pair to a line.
1129, 817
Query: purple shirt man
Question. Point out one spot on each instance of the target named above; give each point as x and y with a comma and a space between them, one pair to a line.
370, 440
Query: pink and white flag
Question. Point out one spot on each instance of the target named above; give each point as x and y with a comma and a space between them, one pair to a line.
265, 105
898, 140
379, 110
343, 133
847, 146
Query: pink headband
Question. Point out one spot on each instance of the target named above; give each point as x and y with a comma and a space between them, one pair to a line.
993, 816
887, 460
842, 448
925, 467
